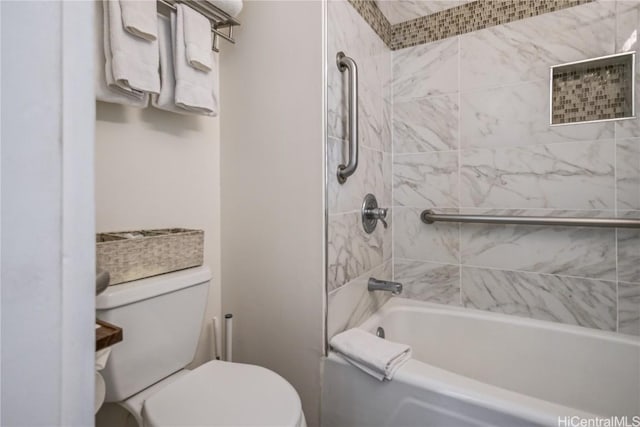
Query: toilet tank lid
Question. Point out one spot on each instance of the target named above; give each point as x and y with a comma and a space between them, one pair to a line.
138, 290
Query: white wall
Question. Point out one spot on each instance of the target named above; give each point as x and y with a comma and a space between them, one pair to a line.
272, 191
48, 266
156, 169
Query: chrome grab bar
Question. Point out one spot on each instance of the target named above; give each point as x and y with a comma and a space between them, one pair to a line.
346, 63
429, 217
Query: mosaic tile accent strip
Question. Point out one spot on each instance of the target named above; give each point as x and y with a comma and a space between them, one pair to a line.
600, 91
471, 17
462, 19
369, 10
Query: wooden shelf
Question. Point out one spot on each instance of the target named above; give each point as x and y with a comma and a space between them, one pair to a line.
107, 335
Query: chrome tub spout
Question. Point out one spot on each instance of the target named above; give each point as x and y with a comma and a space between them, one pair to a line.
383, 285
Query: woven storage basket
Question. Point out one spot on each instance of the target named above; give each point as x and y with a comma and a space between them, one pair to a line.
132, 255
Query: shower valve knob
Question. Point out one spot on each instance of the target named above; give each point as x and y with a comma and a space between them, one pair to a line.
371, 214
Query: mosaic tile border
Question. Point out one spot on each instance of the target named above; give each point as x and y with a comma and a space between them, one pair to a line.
458, 20
369, 10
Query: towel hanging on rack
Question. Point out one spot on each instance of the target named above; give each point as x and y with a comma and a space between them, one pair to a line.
134, 61
139, 18
197, 38
106, 88
195, 89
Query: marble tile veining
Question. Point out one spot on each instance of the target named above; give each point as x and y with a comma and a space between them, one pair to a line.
584, 302
629, 308
398, 11
426, 179
414, 240
518, 115
469, 119
628, 173
351, 251
524, 50
570, 251
426, 124
627, 40
439, 283
372, 176
351, 304
425, 70
470, 17
540, 177
348, 32
629, 251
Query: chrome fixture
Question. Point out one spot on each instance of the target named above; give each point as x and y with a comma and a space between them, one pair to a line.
371, 214
380, 332
383, 285
219, 18
429, 217
347, 64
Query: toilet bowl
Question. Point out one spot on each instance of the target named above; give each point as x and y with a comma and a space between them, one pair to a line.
161, 319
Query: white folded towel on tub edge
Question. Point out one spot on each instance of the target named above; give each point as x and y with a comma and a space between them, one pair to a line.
376, 356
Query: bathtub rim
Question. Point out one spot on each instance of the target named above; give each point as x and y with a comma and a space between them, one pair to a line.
396, 304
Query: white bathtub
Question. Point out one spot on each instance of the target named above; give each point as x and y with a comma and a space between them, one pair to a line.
473, 368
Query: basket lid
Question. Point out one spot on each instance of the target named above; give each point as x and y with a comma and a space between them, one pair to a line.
138, 290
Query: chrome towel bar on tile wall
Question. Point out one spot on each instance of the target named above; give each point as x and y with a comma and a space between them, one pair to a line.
429, 217
218, 17
347, 64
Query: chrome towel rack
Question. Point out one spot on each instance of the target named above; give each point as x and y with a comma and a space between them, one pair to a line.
219, 18
429, 217
347, 64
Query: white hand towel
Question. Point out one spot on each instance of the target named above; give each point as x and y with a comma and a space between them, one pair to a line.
134, 61
105, 92
197, 38
195, 89
378, 357
139, 18
232, 7
166, 100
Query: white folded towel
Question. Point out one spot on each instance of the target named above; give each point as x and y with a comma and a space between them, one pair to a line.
197, 38
165, 100
134, 61
104, 91
139, 18
195, 89
232, 7
378, 357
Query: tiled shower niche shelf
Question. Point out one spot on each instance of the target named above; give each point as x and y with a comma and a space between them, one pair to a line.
593, 90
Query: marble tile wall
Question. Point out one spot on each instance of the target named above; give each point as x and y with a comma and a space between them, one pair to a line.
471, 134
353, 255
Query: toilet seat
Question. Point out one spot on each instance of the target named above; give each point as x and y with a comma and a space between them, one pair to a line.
225, 394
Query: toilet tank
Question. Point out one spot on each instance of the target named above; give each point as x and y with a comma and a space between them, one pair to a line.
161, 318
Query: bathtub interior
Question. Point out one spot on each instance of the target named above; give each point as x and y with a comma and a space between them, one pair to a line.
596, 372
353, 398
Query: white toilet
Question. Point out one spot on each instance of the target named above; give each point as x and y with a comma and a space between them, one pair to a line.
161, 318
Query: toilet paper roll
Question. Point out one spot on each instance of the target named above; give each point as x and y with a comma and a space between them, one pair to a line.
101, 358
101, 390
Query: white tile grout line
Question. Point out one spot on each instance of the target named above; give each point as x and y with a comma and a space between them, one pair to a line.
615, 210
510, 270
393, 154
459, 175
615, 175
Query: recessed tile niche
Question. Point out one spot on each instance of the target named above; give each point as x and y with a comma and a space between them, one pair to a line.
596, 89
